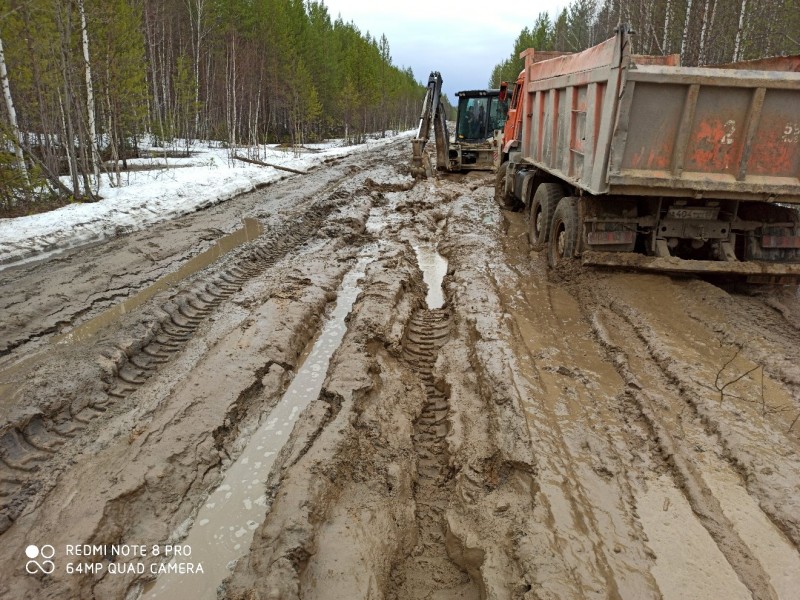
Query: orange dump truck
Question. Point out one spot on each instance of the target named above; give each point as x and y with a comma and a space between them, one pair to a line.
633, 161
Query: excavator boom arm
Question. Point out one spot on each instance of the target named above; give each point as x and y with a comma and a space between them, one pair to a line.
432, 112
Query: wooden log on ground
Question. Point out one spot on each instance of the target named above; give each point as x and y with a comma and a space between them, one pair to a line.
265, 164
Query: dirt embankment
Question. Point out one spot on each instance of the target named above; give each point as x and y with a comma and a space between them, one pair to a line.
570, 434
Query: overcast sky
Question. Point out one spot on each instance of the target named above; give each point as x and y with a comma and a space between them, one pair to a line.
462, 40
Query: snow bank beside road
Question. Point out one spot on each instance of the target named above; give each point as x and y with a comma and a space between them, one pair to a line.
179, 187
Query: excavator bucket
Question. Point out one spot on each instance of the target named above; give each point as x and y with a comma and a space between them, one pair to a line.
420, 161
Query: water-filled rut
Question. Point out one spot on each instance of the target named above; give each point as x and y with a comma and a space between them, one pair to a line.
224, 525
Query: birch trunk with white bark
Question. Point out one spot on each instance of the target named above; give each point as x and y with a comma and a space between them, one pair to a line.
665, 45
95, 152
196, 19
701, 55
737, 44
685, 37
12, 115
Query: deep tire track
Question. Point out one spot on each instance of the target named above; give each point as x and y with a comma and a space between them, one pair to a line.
429, 571
686, 475
28, 446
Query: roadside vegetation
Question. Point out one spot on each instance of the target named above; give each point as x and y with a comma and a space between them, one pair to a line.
106, 73
703, 32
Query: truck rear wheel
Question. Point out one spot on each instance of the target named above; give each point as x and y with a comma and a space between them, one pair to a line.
543, 207
564, 232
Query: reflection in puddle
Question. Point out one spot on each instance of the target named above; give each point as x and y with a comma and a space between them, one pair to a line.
251, 230
224, 526
434, 268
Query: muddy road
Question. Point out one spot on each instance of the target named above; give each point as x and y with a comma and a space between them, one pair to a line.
371, 388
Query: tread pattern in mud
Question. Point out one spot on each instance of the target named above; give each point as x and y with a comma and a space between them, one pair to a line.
428, 569
672, 444
28, 446
186, 312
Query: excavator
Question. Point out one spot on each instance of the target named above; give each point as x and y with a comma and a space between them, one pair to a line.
481, 113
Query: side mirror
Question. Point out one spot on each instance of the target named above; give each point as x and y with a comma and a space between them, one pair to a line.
503, 91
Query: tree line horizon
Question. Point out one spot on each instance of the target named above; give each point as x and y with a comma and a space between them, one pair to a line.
106, 73
702, 32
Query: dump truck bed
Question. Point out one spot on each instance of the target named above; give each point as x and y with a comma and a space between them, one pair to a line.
610, 123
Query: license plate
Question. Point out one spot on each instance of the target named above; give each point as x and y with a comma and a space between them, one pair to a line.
696, 213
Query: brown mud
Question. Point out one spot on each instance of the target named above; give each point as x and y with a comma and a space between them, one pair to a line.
508, 432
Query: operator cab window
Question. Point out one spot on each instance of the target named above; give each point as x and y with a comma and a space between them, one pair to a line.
473, 118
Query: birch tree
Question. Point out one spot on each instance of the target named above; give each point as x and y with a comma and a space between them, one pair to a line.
94, 151
12, 116
197, 18
686, 21
665, 44
738, 40
65, 95
701, 55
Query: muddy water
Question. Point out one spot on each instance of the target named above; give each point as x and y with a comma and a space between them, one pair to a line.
223, 528
434, 267
9, 376
775, 553
739, 512
251, 230
764, 541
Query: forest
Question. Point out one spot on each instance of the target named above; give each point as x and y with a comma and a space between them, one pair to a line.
109, 74
106, 73
703, 32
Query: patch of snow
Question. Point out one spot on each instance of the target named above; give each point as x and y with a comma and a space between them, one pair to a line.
177, 186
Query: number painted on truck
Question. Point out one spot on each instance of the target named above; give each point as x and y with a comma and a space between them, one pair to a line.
791, 133
730, 129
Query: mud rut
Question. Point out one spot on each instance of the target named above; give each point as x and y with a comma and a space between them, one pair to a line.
572, 434
429, 571
25, 449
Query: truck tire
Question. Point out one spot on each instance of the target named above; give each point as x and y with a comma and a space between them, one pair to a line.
503, 198
564, 232
540, 218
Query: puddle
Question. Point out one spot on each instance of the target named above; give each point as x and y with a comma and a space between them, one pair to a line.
224, 526
434, 268
689, 565
9, 376
251, 230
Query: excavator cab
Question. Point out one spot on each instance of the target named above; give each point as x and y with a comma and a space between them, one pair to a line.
480, 113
